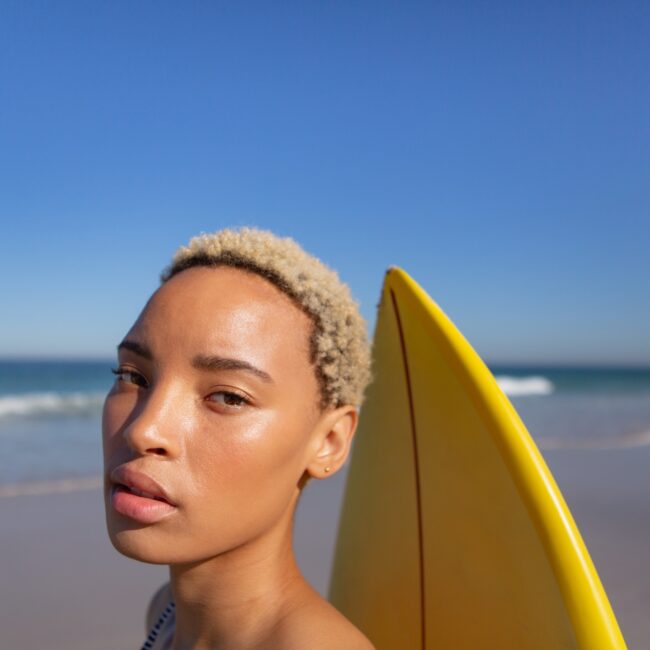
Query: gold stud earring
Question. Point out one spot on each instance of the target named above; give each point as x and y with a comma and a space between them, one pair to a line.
327, 469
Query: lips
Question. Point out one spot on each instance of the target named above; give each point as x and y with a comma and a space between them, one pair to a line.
146, 495
140, 484
139, 497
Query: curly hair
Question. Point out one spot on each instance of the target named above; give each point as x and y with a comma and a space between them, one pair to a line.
339, 345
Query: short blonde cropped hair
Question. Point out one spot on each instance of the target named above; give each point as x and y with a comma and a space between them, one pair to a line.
339, 345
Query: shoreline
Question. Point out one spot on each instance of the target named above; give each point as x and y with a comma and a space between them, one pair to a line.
634, 440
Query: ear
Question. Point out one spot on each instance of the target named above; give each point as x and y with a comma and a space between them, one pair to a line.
332, 441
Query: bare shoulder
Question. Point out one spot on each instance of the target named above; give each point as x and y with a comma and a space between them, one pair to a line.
318, 625
157, 604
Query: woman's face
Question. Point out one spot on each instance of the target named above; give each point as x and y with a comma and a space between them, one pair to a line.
215, 402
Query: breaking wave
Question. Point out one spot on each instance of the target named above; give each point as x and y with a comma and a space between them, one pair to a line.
519, 386
50, 404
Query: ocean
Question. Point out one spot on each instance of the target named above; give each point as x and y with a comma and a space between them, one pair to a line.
50, 415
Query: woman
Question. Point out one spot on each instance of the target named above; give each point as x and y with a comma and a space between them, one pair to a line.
239, 382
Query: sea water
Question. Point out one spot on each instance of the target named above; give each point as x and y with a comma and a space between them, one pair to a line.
50, 415
50, 420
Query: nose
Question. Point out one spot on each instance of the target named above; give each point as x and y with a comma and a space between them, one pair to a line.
150, 429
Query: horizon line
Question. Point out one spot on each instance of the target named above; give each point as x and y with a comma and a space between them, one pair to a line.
529, 363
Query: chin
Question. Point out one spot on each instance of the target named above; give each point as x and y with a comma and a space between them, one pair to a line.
136, 544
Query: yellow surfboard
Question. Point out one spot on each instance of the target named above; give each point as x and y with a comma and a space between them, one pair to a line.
453, 532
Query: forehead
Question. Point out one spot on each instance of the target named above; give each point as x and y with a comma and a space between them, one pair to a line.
215, 309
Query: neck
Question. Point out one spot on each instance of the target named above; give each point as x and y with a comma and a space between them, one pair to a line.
238, 598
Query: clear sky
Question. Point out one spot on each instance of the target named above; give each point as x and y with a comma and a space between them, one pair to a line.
499, 152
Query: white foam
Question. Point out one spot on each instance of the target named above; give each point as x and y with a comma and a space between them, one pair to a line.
518, 386
50, 403
50, 487
625, 441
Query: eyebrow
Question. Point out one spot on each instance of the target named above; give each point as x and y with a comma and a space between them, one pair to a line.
137, 348
201, 361
214, 362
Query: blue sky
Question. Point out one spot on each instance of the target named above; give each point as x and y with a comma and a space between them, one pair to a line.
499, 152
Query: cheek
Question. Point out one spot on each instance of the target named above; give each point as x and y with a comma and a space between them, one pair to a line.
247, 473
115, 415
110, 420
243, 452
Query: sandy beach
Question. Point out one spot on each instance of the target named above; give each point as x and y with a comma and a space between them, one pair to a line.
64, 587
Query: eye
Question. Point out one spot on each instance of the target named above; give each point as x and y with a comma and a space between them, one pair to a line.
129, 376
229, 399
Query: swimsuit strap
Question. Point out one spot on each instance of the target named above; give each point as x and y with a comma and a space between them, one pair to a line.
155, 630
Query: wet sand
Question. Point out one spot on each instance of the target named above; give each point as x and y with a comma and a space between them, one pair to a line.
64, 587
